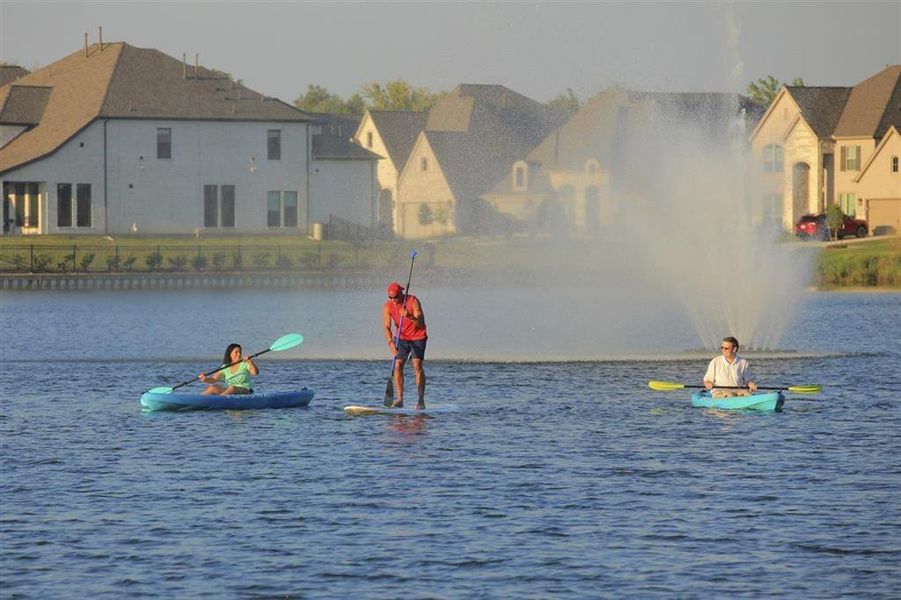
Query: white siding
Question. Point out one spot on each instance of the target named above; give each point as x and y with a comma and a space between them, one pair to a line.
344, 188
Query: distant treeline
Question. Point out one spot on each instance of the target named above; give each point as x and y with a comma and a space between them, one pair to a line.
401, 95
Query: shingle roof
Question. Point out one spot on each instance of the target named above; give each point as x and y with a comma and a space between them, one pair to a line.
23, 104
821, 107
339, 148
399, 130
500, 127
121, 81
10, 73
873, 106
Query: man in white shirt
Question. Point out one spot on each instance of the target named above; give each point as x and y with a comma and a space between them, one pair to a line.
729, 370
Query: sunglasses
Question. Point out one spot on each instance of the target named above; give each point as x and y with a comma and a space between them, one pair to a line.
725, 347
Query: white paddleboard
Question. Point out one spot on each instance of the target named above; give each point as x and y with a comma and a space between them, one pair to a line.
430, 409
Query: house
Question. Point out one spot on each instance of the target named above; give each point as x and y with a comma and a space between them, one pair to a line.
879, 185
812, 143
391, 134
577, 179
115, 139
342, 172
471, 137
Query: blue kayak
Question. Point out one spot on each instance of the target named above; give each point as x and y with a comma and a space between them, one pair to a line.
762, 401
181, 401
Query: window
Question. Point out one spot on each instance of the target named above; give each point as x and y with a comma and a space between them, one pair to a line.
423, 164
210, 206
290, 209
592, 167
848, 204
520, 178
83, 205
274, 209
274, 144
772, 158
218, 206
163, 142
369, 139
894, 164
64, 205
228, 205
850, 158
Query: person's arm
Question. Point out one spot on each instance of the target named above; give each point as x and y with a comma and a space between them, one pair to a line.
251, 366
710, 375
386, 326
747, 378
415, 313
212, 378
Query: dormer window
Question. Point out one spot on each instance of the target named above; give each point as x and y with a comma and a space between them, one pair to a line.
369, 139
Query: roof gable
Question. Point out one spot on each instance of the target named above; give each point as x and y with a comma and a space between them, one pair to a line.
821, 107
399, 130
889, 135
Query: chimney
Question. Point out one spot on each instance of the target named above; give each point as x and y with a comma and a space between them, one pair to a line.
184, 65
196, 63
100, 35
85, 44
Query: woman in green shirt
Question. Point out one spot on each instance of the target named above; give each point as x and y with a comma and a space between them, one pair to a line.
235, 374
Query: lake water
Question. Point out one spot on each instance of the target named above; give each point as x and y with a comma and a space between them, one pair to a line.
564, 476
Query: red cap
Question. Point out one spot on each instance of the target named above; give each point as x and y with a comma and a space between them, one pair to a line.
395, 289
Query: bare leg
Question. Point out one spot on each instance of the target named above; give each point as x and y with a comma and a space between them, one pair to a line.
399, 383
420, 381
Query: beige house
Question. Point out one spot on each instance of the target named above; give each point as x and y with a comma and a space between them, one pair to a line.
812, 143
879, 185
576, 180
472, 136
390, 134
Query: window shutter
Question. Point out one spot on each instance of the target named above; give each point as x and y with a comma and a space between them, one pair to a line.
844, 158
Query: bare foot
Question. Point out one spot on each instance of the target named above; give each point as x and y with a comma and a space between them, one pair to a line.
397, 404
420, 406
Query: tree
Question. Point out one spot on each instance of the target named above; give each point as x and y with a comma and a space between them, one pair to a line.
566, 104
398, 95
764, 90
319, 100
835, 219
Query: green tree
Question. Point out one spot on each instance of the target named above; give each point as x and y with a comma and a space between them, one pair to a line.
764, 90
398, 95
835, 218
318, 99
566, 104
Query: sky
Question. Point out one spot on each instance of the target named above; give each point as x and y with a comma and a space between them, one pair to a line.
538, 48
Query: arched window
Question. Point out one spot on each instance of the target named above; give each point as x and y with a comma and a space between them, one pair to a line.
894, 164
592, 166
423, 164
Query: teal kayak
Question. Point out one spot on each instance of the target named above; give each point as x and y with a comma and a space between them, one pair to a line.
180, 401
770, 401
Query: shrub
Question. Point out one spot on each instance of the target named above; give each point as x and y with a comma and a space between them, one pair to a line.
199, 262
85, 263
261, 261
154, 260
40, 263
112, 263
178, 263
129, 263
219, 261
283, 262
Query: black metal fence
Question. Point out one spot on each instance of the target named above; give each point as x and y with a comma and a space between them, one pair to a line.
111, 258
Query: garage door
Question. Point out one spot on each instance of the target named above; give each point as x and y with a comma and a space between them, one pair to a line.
884, 216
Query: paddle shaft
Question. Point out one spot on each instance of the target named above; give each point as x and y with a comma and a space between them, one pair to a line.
735, 387
389, 387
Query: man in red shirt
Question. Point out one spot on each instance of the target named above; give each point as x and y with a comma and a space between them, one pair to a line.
405, 313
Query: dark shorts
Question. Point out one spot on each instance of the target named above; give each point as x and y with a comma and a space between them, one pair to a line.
405, 347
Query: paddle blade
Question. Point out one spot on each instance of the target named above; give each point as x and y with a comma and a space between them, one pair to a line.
805, 389
389, 390
160, 390
665, 386
286, 341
